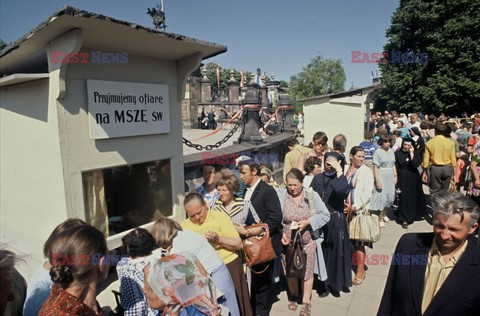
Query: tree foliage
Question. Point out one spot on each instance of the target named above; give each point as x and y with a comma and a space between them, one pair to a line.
321, 76
449, 31
2, 44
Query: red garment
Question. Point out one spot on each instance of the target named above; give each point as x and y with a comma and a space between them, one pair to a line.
459, 169
472, 141
62, 303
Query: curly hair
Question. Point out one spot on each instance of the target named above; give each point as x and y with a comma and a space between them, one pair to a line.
310, 164
227, 178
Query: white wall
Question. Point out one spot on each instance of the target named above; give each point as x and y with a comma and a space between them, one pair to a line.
337, 116
32, 196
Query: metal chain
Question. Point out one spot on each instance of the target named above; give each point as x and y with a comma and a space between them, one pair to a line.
217, 144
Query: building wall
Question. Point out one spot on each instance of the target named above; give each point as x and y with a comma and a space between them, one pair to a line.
80, 153
338, 116
32, 191
45, 146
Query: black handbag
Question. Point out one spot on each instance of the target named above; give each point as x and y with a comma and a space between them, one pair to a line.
296, 258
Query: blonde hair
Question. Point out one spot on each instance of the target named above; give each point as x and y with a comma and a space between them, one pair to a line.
164, 230
227, 178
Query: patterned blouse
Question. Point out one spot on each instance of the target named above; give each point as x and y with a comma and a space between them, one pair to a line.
181, 281
238, 213
210, 199
62, 303
130, 275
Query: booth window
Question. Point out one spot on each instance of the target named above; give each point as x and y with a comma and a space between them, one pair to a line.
125, 197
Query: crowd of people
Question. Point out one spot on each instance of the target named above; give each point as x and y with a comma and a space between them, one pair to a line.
197, 267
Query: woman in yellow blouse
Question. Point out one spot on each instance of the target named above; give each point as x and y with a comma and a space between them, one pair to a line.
219, 230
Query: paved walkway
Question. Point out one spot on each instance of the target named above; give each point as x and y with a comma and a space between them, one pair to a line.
365, 298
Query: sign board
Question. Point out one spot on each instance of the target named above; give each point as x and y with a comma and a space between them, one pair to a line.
120, 109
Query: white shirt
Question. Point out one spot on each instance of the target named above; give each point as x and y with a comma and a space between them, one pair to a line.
248, 194
189, 241
410, 125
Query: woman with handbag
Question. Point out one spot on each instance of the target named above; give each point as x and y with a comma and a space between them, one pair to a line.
360, 180
332, 186
241, 215
299, 222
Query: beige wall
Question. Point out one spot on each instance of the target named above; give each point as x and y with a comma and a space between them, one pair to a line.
337, 116
32, 196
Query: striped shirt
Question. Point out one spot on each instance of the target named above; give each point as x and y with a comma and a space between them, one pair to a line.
238, 213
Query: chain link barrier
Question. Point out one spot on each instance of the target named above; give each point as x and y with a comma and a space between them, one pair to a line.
217, 144
280, 127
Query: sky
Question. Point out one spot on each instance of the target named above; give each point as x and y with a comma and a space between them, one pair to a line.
278, 36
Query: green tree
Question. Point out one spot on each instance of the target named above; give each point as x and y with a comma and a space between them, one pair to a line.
320, 76
283, 84
449, 79
224, 77
2, 44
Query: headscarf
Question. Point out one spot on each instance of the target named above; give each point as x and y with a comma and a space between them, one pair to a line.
333, 154
416, 131
180, 280
340, 158
408, 140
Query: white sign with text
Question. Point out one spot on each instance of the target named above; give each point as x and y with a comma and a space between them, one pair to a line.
120, 109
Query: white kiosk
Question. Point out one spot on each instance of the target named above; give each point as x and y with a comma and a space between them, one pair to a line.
91, 127
340, 113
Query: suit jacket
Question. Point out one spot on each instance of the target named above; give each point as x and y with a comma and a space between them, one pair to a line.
267, 205
459, 294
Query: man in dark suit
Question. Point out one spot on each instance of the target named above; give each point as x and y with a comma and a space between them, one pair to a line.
265, 200
437, 273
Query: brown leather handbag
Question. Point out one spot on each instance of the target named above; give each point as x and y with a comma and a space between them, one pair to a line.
258, 249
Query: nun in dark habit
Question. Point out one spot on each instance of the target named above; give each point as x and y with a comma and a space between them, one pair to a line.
412, 199
333, 188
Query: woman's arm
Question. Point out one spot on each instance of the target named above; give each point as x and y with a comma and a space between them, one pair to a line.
395, 176
243, 231
321, 216
376, 175
153, 300
227, 243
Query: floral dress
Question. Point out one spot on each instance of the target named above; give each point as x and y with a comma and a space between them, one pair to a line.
299, 212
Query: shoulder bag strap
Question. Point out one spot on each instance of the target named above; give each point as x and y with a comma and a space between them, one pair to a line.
249, 206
